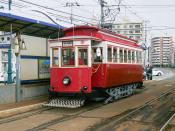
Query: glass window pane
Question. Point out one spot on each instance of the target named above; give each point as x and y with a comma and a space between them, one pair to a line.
68, 58
95, 57
121, 56
125, 56
54, 56
129, 56
115, 55
109, 54
83, 56
133, 56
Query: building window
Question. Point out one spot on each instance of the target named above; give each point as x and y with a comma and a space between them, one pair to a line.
137, 37
137, 31
131, 37
118, 32
131, 32
130, 26
118, 26
137, 26
125, 26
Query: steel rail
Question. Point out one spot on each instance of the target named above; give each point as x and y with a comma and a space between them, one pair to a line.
64, 118
26, 114
167, 122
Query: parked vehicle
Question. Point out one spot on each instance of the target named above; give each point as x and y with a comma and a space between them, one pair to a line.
157, 72
4, 76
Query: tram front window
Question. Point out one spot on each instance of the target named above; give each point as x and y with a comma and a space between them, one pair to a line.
68, 57
82, 56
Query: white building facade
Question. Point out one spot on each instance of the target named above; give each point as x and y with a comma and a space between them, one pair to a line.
131, 30
161, 51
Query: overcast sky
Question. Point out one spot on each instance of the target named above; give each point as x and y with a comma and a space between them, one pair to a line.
159, 14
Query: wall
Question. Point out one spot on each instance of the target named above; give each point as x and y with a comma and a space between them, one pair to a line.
7, 93
36, 50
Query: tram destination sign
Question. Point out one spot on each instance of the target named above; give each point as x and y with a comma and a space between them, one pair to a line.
67, 43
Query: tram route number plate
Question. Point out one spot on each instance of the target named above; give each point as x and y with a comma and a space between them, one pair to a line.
67, 43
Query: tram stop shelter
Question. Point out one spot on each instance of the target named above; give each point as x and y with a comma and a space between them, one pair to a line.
12, 24
28, 26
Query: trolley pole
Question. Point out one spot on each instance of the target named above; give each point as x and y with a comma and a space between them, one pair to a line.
9, 81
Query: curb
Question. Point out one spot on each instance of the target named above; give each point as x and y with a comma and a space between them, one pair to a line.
15, 111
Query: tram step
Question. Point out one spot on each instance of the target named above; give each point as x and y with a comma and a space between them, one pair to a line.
66, 103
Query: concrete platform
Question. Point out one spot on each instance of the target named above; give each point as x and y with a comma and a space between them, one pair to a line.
20, 107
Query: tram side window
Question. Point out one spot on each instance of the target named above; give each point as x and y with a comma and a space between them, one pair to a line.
137, 57
129, 56
121, 56
68, 58
82, 56
140, 57
125, 56
109, 54
115, 54
133, 56
54, 56
95, 57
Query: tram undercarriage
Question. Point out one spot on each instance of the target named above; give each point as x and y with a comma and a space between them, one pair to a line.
78, 100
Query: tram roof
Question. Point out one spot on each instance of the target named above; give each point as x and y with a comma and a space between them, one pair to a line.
99, 29
28, 26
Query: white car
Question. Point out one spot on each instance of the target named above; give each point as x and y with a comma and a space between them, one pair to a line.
157, 72
4, 76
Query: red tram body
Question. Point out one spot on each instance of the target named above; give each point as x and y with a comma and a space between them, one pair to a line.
112, 64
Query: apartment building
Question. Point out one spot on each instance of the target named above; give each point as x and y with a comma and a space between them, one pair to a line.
161, 51
131, 30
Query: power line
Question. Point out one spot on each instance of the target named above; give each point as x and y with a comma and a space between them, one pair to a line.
52, 9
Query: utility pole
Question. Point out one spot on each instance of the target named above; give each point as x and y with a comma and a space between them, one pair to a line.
10, 3
9, 81
102, 18
71, 5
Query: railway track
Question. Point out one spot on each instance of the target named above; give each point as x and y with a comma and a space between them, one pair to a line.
110, 123
24, 115
165, 126
65, 118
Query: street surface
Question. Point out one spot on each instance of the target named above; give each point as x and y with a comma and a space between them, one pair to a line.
92, 115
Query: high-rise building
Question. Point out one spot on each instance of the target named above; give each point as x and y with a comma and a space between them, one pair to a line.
131, 30
161, 51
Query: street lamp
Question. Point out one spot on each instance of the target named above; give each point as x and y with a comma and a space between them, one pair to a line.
18, 45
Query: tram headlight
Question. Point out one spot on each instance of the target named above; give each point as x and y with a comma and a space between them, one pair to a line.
66, 81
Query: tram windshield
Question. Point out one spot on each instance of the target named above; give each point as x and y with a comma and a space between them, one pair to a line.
70, 57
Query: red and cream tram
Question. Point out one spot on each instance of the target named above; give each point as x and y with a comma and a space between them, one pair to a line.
91, 62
